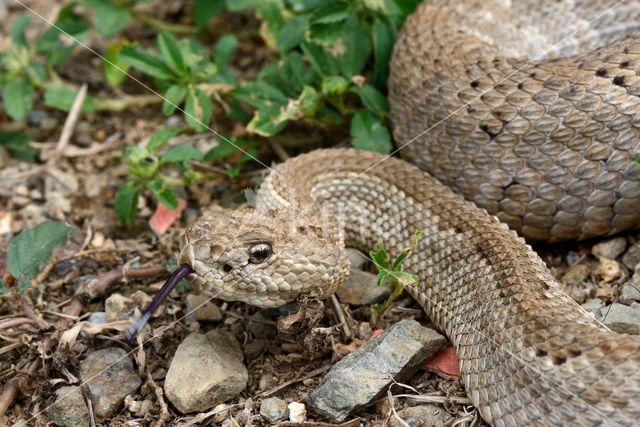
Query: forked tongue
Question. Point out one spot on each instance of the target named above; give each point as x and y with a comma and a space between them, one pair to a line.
178, 274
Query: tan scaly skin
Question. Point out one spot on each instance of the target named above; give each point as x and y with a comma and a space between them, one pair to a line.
547, 145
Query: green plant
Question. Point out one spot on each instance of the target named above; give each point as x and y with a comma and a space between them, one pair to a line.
186, 73
30, 250
392, 272
320, 73
147, 167
26, 66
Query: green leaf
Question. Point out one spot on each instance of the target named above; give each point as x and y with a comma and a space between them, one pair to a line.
330, 12
368, 133
239, 5
182, 153
61, 97
16, 144
292, 33
30, 250
163, 194
126, 203
320, 60
224, 149
197, 110
334, 85
352, 48
225, 48
161, 137
373, 100
109, 17
383, 36
146, 63
18, 30
173, 97
170, 52
4, 287
17, 97
113, 68
55, 43
205, 10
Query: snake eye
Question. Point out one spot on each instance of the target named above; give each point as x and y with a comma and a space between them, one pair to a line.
259, 253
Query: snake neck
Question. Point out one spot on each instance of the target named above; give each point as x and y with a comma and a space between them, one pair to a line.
515, 331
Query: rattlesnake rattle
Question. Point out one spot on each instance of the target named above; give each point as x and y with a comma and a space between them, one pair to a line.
548, 150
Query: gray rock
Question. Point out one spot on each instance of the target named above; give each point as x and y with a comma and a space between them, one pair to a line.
357, 259
364, 375
594, 306
631, 291
610, 248
361, 289
98, 318
110, 377
623, 319
69, 408
632, 257
427, 415
206, 370
118, 307
274, 410
204, 309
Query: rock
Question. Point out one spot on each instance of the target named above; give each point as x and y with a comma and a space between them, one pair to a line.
206, 370
69, 408
576, 275
427, 415
623, 319
364, 375
357, 259
594, 306
361, 289
98, 318
609, 270
297, 412
632, 257
118, 307
610, 248
205, 310
631, 292
109, 376
274, 410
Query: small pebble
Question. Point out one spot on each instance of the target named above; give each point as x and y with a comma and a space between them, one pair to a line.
109, 376
297, 412
203, 308
206, 370
274, 409
631, 258
118, 307
98, 318
631, 291
357, 259
576, 275
611, 248
69, 409
363, 375
422, 415
361, 289
623, 319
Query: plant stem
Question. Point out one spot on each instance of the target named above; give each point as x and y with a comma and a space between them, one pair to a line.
161, 25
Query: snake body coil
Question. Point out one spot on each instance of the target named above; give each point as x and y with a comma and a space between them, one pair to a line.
546, 145
527, 115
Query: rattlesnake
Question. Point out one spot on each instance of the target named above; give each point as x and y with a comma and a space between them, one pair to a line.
546, 145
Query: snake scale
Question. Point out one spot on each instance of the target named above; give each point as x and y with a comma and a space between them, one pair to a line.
546, 145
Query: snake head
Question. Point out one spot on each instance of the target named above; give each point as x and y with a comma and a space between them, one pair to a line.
265, 257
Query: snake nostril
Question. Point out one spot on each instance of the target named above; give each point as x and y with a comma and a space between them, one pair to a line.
227, 268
